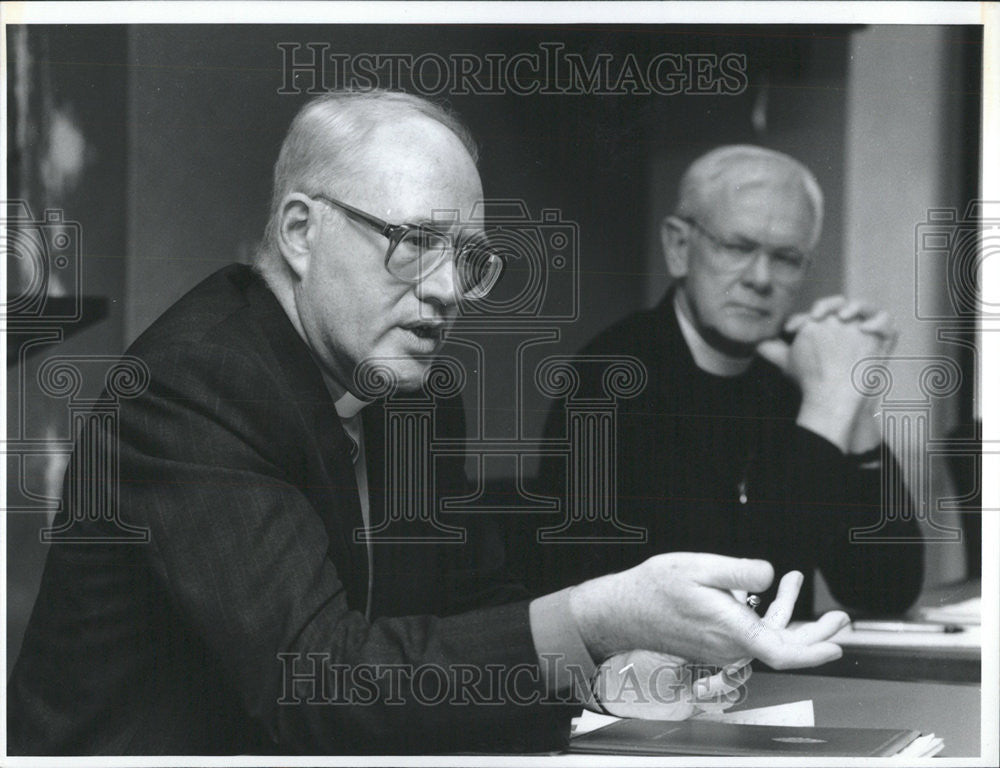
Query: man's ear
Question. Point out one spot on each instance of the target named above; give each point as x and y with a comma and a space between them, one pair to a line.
675, 239
295, 229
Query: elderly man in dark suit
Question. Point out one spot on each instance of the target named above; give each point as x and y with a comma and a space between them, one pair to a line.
254, 619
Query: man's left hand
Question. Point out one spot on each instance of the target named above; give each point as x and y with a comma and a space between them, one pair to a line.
871, 320
658, 686
865, 433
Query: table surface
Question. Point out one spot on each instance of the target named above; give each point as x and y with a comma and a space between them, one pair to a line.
951, 711
946, 594
944, 658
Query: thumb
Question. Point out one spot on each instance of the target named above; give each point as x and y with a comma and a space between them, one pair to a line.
794, 323
775, 351
735, 573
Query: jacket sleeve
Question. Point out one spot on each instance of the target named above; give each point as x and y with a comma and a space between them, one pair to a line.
868, 551
243, 556
874, 558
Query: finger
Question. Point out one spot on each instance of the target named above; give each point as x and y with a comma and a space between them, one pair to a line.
732, 573
725, 700
826, 306
889, 341
825, 627
796, 321
736, 674
720, 696
880, 324
781, 656
779, 612
855, 310
775, 351
732, 698
720, 703
715, 687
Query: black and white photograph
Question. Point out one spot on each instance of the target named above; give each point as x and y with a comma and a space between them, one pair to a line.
579, 382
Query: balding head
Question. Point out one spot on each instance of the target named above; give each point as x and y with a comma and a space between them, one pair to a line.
363, 184
710, 181
324, 149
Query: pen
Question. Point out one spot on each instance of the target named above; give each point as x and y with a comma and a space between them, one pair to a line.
905, 626
753, 603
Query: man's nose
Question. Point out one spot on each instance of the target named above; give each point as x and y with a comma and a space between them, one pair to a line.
758, 272
440, 286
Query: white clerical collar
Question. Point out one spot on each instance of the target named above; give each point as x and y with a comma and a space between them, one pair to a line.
707, 357
348, 405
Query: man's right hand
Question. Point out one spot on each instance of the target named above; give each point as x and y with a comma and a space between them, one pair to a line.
821, 361
682, 603
830, 340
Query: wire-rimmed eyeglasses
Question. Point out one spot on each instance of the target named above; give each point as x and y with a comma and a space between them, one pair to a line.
787, 264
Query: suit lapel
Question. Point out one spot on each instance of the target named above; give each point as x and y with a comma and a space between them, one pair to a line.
334, 492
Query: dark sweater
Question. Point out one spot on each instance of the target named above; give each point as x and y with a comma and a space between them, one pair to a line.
691, 445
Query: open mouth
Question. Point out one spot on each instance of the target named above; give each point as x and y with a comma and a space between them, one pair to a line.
430, 331
756, 311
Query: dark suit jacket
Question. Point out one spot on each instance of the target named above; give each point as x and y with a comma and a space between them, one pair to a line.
237, 464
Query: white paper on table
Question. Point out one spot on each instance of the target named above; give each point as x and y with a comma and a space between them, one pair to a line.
922, 746
969, 637
796, 713
966, 612
591, 721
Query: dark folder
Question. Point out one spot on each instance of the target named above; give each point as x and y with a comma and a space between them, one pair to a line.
697, 737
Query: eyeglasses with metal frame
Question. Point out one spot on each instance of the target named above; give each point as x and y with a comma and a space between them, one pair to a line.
788, 265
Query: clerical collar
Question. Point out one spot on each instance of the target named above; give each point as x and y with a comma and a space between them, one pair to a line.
348, 405
707, 357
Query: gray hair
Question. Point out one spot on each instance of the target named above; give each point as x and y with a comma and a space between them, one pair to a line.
323, 143
743, 165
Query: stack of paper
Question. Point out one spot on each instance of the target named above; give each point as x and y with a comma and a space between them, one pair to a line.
799, 714
783, 729
699, 737
590, 721
922, 746
795, 713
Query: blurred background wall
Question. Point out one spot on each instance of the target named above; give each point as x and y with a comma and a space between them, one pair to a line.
173, 131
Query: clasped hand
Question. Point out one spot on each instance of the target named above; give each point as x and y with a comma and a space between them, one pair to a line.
660, 686
829, 341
